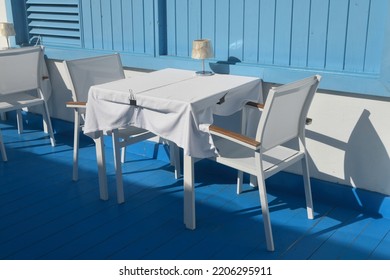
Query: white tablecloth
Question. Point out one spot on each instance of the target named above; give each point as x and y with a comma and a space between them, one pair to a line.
175, 104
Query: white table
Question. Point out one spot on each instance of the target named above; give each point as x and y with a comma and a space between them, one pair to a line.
174, 104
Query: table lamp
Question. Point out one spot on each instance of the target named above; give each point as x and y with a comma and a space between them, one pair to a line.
6, 30
201, 49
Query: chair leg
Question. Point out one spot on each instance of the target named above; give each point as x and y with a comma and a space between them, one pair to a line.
265, 212
240, 181
240, 178
47, 120
19, 121
2, 148
123, 154
118, 166
171, 152
174, 156
306, 182
76, 141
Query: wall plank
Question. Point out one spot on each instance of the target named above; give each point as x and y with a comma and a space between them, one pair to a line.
97, 32
318, 33
267, 31
337, 32
300, 33
171, 27
194, 23
283, 27
86, 15
251, 30
375, 38
128, 26
107, 25
117, 25
236, 32
182, 32
208, 21
138, 26
149, 27
356, 35
221, 44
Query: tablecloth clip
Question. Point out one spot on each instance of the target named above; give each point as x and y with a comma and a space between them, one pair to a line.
132, 100
222, 99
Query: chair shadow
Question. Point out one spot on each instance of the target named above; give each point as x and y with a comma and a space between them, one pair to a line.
364, 145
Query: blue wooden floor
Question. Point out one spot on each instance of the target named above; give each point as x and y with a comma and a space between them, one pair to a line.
45, 215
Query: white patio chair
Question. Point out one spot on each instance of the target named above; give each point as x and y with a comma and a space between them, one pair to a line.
82, 74
20, 84
283, 119
2, 148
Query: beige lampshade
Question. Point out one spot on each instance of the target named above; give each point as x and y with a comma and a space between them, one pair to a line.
201, 49
7, 29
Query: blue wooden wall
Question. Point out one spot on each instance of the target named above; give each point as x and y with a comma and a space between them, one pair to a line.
346, 41
123, 26
334, 35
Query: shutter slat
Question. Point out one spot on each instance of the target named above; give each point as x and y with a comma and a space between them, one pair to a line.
50, 9
55, 32
54, 17
60, 25
52, 2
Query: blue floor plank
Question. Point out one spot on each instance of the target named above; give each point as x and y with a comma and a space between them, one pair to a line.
324, 227
381, 252
342, 238
366, 242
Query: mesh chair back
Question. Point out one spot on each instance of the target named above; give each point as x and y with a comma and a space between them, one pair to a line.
19, 69
285, 112
86, 72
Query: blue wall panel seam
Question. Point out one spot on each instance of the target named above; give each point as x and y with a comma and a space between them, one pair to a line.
366, 41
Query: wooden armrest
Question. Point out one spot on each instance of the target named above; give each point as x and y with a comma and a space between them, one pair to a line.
236, 137
73, 104
255, 104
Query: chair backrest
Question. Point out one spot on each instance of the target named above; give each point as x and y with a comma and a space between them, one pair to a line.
86, 72
285, 112
19, 69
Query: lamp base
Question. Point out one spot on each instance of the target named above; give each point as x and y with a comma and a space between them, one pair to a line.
204, 73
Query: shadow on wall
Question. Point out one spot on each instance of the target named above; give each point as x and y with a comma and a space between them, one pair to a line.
365, 160
365, 151
223, 67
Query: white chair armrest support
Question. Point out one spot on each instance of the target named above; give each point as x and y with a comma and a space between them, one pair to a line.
235, 137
